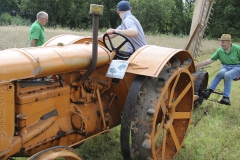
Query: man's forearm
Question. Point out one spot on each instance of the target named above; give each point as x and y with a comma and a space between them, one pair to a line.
204, 63
110, 36
33, 43
129, 33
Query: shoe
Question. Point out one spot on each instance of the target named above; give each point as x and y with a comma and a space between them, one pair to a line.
225, 100
236, 79
205, 94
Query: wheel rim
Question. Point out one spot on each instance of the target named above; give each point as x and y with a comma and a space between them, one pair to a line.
53, 153
175, 118
164, 116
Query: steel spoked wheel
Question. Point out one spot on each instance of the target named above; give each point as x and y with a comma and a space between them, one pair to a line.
59, 152
162, 115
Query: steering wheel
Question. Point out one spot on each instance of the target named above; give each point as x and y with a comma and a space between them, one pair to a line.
117, 49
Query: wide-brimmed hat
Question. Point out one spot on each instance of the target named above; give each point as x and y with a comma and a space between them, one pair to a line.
225, 37
123, 6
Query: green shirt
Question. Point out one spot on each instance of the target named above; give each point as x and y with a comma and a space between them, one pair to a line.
233, 57
37, 32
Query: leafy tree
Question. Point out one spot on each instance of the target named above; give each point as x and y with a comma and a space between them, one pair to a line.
188, 14
5, 19
161, 16
177, 19
64, 7
156, 16
148, 13
53, 11
30, 8
79, 14
10, 6
110, 17
225, 19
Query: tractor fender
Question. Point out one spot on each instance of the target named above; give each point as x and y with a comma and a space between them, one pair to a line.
149, 60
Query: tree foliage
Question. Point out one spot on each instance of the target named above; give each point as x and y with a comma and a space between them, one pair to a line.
225, 19
11, 6
156, 16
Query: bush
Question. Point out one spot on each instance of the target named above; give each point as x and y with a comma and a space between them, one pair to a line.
7, 19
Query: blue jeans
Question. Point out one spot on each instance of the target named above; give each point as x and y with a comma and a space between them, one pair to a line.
228, 73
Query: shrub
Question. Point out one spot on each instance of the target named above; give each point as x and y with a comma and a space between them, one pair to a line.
7, 19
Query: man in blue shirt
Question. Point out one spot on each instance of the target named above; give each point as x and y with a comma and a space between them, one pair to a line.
130, 27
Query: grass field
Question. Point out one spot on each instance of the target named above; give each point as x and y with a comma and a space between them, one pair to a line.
215, 132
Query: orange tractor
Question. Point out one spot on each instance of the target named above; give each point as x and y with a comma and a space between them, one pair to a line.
55, 97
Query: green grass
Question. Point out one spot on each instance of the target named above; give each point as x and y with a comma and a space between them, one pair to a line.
103, 147
215, 133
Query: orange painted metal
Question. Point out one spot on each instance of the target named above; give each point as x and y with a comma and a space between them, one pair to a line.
66, 111
6, 117
43, 61
58, 152
150, 60
69, 39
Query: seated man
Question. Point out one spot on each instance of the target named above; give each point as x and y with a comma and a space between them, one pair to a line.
229, 55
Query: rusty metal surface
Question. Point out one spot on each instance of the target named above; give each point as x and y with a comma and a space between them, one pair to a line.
162, 114
74, 123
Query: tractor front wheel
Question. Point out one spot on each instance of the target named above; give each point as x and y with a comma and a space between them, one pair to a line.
53, 153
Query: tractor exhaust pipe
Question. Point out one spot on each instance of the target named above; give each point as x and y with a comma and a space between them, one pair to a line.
96, 11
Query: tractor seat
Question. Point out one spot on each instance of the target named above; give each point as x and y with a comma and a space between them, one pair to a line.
122, 55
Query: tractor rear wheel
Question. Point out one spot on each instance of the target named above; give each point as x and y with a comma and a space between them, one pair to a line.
161, 115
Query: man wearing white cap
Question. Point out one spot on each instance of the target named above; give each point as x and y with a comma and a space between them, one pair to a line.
130, 27
229, 55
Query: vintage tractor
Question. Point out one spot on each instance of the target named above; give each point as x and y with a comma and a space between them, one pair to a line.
55, 97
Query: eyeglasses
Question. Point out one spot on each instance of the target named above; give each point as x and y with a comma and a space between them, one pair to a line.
46, 19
